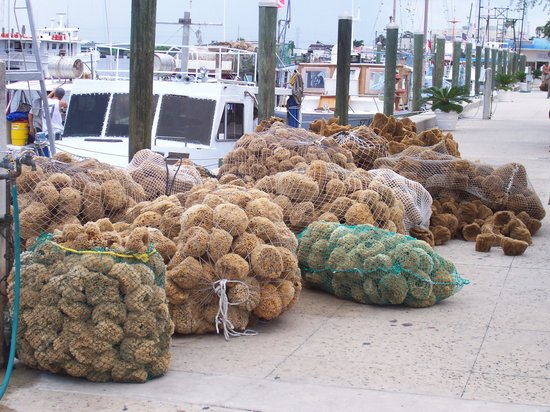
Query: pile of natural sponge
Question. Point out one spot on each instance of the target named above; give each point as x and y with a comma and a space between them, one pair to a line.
232, 246
473, 221
65, 190
278, 149
500, 188
374, 266
325, 191
159, 178
401, 133
93, 315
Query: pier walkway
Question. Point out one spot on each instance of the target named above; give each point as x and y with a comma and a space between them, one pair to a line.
485, 349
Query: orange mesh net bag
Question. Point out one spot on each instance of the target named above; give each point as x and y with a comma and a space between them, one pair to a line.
278, 149
159, 178
72, 191
233, 260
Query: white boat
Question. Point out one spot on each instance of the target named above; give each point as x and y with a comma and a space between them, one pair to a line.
55, 43
197, 115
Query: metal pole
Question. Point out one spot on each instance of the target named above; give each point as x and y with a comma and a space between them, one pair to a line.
456, 61
468, 73
478, 70
521, 28
343, 69
184, 55
439, 62
3, 208
418, 71
142, 50
392, 37
267, 58
43, 91
426, 9
487, 95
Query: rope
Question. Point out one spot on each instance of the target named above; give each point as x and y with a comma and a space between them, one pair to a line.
143, 257
220, 287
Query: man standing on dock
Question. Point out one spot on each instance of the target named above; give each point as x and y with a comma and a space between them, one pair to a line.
37, 121
295, 100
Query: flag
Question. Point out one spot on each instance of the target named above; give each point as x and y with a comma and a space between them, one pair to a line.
280, 4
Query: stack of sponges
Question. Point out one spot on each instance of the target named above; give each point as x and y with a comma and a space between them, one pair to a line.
58, 193
473, 221
374, 266
93, 315
233, 246
401, 134
279, 149
325, 191
365, 146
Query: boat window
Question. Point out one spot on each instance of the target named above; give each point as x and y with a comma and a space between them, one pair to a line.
86, 114
232, 123
119, 115
54, 46
187, 119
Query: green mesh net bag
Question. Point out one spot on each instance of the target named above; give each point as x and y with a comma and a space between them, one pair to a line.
374, 266
96, 314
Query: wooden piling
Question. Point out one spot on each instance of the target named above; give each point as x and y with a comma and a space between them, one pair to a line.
267, 61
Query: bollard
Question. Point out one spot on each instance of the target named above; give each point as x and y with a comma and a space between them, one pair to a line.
392, 35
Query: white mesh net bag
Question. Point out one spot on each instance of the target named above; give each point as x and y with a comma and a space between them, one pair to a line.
159, 178
415, 198
365, 145
500, 188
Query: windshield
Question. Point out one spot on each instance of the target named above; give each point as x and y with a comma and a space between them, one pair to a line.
186, 119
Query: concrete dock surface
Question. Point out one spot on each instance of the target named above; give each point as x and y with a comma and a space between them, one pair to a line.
485, 349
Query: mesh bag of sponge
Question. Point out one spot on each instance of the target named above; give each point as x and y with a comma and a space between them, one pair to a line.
374, 266
97, 314
505, 187
66, 190
278, 149
158, 178
235, 262
325, 191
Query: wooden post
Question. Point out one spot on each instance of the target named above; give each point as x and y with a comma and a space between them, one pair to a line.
343, 69
487, 62
418, 71
3, 210
496, 57
512, 64
456, 61
392, 36
378, 52
468, 73
439, 62
504, 62
477, 87
142, 50
266, 58
487, 94
522, 62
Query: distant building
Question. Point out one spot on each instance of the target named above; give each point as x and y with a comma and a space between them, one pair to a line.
319, 52
536, 50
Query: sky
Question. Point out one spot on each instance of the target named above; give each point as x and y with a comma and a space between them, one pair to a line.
311, 20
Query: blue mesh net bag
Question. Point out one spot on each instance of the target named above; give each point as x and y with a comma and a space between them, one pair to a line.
374, 266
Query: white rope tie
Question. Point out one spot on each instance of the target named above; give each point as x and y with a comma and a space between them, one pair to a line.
515, 171
222, 319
